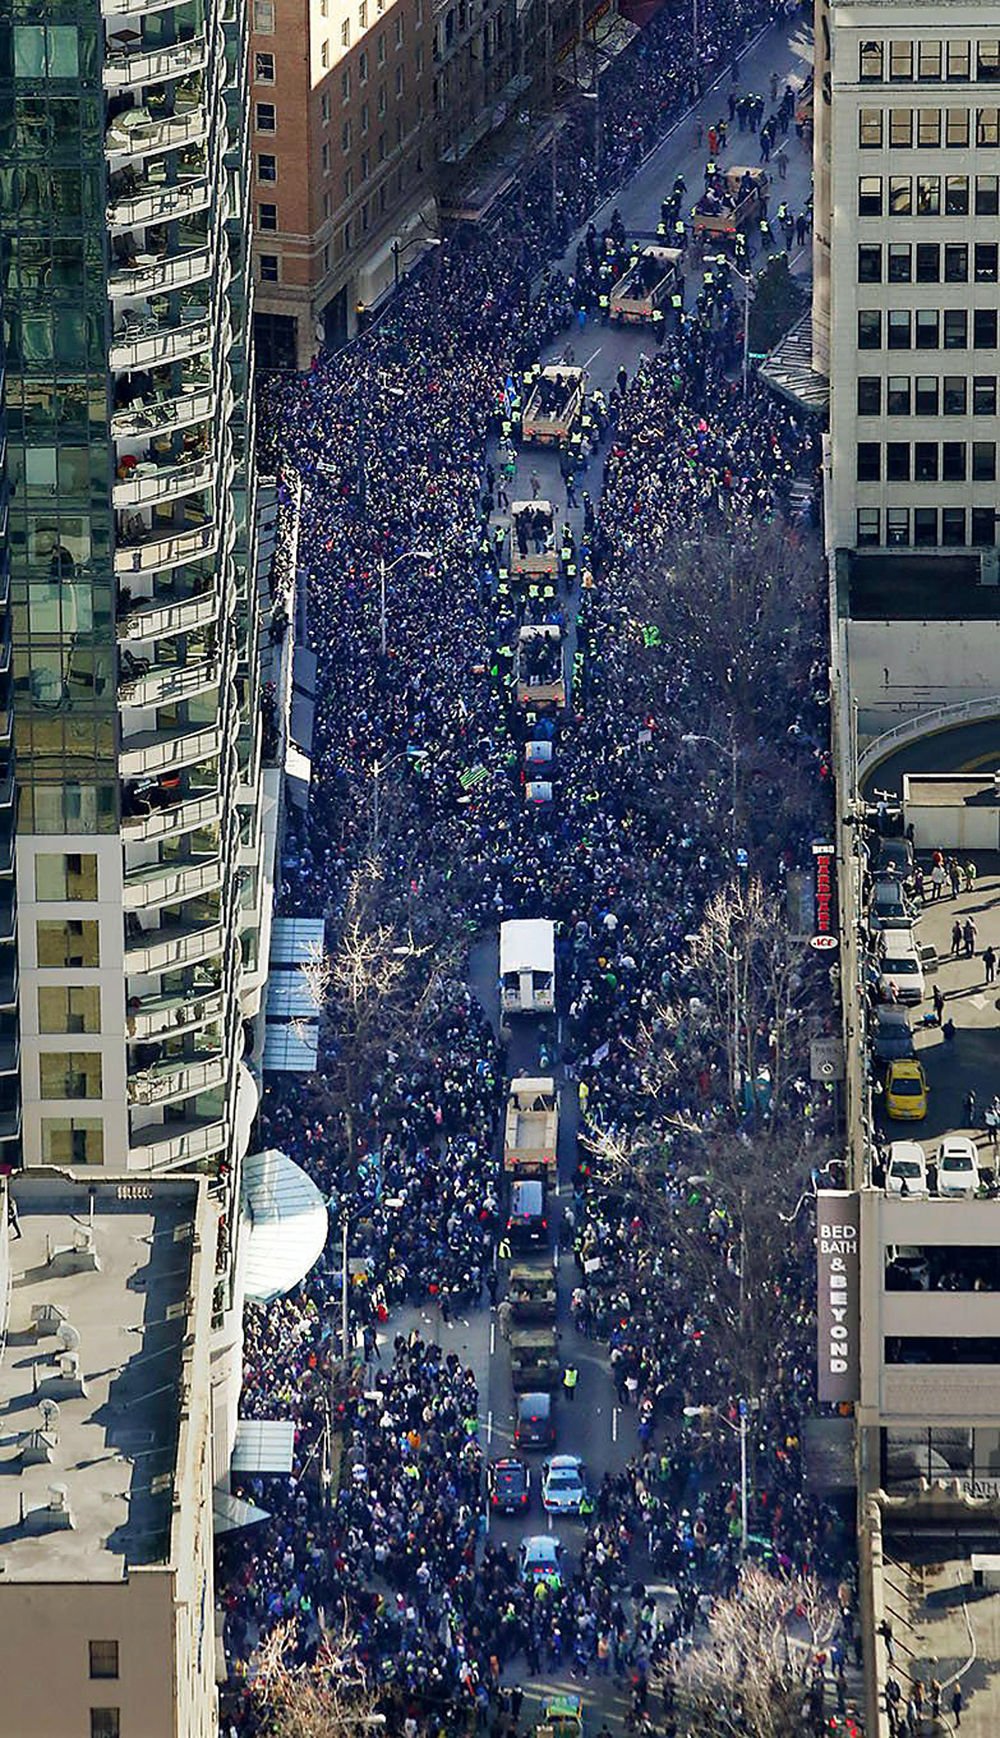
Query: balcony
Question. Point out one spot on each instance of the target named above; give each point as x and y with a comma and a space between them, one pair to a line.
142, 342
10, 1056
137, 133
156, 884
162, 1144
177, 944
153, 202
185, 816
161, 684
8, 913
154, 751
157, 1016
127, 62
177, 1077
153, 275
179, 611
194, 403
8, 792
155, 554
148, 482
8, 983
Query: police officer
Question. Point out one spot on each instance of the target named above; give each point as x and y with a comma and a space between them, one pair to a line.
571, 1376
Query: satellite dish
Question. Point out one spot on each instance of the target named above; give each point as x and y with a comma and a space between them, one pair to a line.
50, 1414
68, 1337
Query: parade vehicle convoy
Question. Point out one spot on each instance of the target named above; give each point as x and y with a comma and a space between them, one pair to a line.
539, 667
508, 1484
647, 286
531, 1292
531, 523
527, 966
534, 1423
555, 406
534, 1360
736, 208
527, 1226
531, 1127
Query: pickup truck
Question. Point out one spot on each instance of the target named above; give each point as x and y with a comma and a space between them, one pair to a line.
531, 1129
526, 559
539, 667
647, 285
553, 408
730, 204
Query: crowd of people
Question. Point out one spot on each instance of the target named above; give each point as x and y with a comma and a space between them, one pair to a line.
392, 441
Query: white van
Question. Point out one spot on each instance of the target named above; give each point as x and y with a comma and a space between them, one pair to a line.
528, 966
901, 967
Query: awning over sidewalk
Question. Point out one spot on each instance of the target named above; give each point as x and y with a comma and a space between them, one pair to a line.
291, 1024
263, 1445
288, 1225
230, 1513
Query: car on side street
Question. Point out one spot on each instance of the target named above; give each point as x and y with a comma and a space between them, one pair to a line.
906, 1090
958, 1168
906, 1170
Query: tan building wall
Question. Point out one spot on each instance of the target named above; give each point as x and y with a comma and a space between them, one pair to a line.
340, 107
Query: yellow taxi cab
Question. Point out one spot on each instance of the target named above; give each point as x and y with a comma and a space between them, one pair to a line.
905, 1090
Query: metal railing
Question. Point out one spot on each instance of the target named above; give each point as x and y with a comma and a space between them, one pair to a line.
139, 65
141, 341
925, 724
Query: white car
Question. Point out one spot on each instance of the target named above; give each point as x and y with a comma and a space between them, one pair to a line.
900, 967
958, 1167
907, 1163
563, 1487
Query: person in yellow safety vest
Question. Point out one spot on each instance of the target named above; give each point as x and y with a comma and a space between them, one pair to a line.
658, 325
604, 304
571, 1376
503, 1249
677, 303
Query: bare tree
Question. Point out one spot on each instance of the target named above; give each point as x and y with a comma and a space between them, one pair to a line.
749, 1677
328, 1698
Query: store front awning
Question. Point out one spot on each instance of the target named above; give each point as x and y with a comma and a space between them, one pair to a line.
291, 1021
287, 1225
231, 1513
263, 1445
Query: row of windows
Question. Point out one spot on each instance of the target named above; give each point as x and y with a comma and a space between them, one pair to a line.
269, 264
926, 461
902, 263
926, 329
927, 129
929, 62
345, 32
926, 395
925, 527
347, 133
921, 195
263, 16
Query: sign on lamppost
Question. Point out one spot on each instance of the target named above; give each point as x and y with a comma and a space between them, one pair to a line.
838, 1300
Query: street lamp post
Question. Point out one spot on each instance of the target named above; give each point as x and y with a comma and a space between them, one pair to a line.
401, 247
594, 97
378, 768
384, 572
731, 750
746, 280
739, 1430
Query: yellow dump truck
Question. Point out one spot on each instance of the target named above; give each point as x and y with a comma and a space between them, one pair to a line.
734, 208
555, 405
531, 1128
647, 286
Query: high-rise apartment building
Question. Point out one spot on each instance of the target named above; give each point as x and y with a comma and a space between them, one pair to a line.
343, 163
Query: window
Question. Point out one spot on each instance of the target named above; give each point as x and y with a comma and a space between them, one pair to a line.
869, 329
900, 128
900, 195
956, 329
345, 136
927, 329
956, 132
929, 61
267, 166
871, 63
399, 30
900, 62
869, 395
925, 527
984, 526
46, 51
366, 165
363, 15
899, 262
324, 156
953, 461
345, 85
363, 120
345, 34
988, 62
380, 48
381, 147
870, 196
868, 462
419, 13
60, 877
870, 129
986, 195
987, 126
898, 325
984, 395
324, 108
263, 17
69, 943
327, 203
956, 195
75, 1009
265, 118
898, 395
105, 1723
263, 68
986, 262
984, 329
953, 395
268, 268
324, 53
381, 99
928, 196
868, 526
897, 527
348, 183
267, 216
69, 1074
103, 1659
399, 81
956, 263
953, 527
925, 395
925, 462
984, 461
363, 66
74, 1140
897, 462
958, 63
928, 128
928, 262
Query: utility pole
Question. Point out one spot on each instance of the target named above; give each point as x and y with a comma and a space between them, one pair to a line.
744, 1489
344, 1277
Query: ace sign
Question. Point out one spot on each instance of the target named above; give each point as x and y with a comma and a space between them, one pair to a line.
838, 1273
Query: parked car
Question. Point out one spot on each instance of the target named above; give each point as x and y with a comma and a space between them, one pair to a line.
534, 1424
540, 1558
508, 1483
900, 970
907, 1270
563, 1486
907, 1165
889, 907
892, 1038
906, 1090
958, 1167
896, 857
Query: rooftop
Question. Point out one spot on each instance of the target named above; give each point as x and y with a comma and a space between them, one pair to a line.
945, 1626
908, 585
90, 1374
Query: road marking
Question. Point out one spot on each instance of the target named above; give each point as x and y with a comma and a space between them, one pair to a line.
590, 359
489, 1427
493, 1338
614, 1424
555, 1256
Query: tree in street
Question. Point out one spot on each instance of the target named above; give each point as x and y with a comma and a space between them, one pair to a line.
325, 1696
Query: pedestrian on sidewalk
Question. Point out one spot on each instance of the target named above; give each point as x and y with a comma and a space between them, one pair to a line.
969, 937
956, 939
990, 963
536, 485
969, 1108
782, 164
956, 1704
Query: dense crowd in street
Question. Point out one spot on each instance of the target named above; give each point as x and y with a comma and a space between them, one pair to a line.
392, 441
